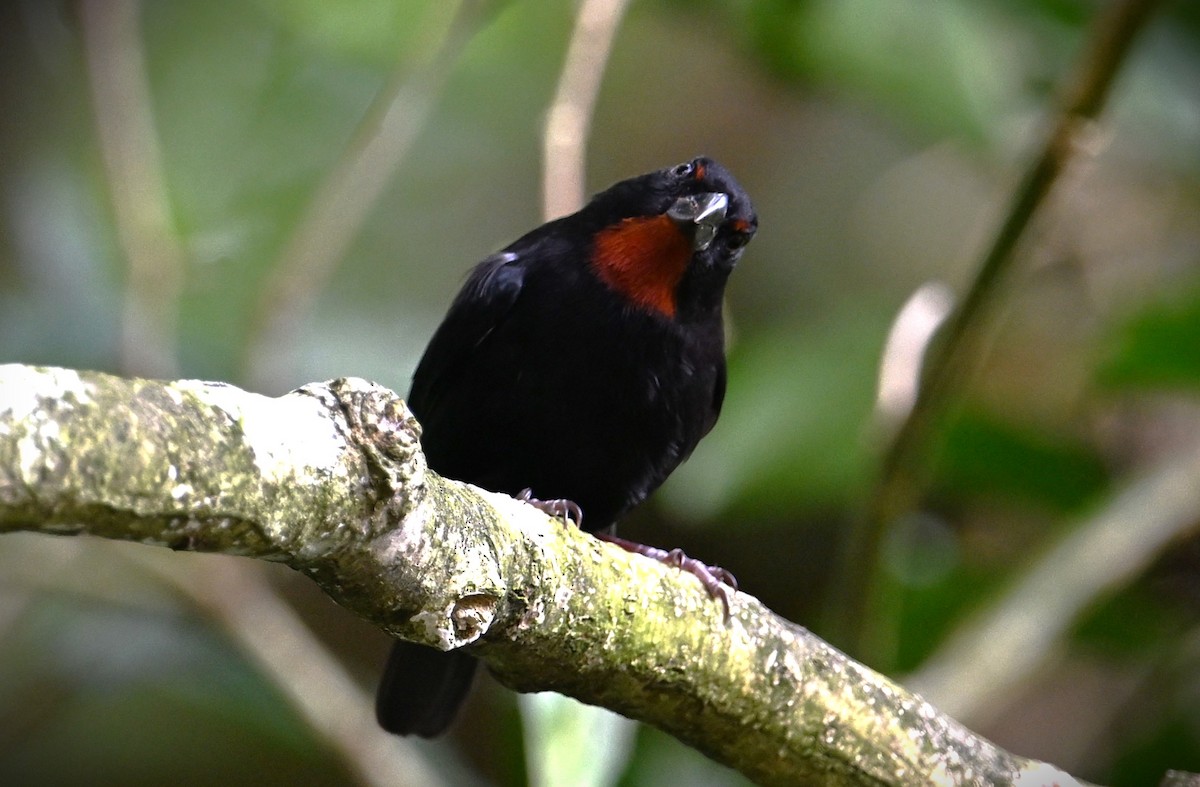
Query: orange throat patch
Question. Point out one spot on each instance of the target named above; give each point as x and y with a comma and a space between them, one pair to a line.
643, 259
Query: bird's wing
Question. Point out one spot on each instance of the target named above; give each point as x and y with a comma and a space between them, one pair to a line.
483, 304
718, 397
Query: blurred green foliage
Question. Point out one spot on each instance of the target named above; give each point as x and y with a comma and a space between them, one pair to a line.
981, 458
879, 141
74, 668
1159, 347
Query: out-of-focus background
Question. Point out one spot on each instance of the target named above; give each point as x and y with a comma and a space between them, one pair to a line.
272, 193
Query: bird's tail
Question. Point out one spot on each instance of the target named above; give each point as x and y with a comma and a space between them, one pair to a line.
422, 688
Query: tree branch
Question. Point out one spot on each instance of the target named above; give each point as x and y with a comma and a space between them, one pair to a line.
330, 480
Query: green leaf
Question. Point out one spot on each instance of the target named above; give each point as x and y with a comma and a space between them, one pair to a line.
981, 455
1158, 348
944, 66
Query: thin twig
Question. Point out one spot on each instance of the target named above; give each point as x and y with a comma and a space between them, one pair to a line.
904, 469
344, 200
564, 137
137, 185
238, 595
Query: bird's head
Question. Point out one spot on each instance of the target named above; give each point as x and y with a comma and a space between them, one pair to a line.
669, 239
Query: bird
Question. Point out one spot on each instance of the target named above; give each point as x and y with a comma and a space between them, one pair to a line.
576, 369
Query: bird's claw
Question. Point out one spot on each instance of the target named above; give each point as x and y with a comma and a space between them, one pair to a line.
717, 581
559, 508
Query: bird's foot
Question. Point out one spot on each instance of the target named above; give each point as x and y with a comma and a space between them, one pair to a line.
561, 508
718, 582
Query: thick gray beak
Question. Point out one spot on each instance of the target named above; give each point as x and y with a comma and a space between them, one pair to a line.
700, 214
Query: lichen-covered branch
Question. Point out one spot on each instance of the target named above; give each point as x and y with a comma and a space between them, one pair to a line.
330, 480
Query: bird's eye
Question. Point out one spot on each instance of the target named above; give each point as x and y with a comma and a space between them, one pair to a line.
683, 170
737, 240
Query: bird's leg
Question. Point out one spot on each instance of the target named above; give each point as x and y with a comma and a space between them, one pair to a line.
560, 508
716, 580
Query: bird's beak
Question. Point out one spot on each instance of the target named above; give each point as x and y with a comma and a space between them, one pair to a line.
700, 215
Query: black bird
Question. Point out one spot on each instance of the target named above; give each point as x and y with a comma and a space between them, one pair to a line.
580, 364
